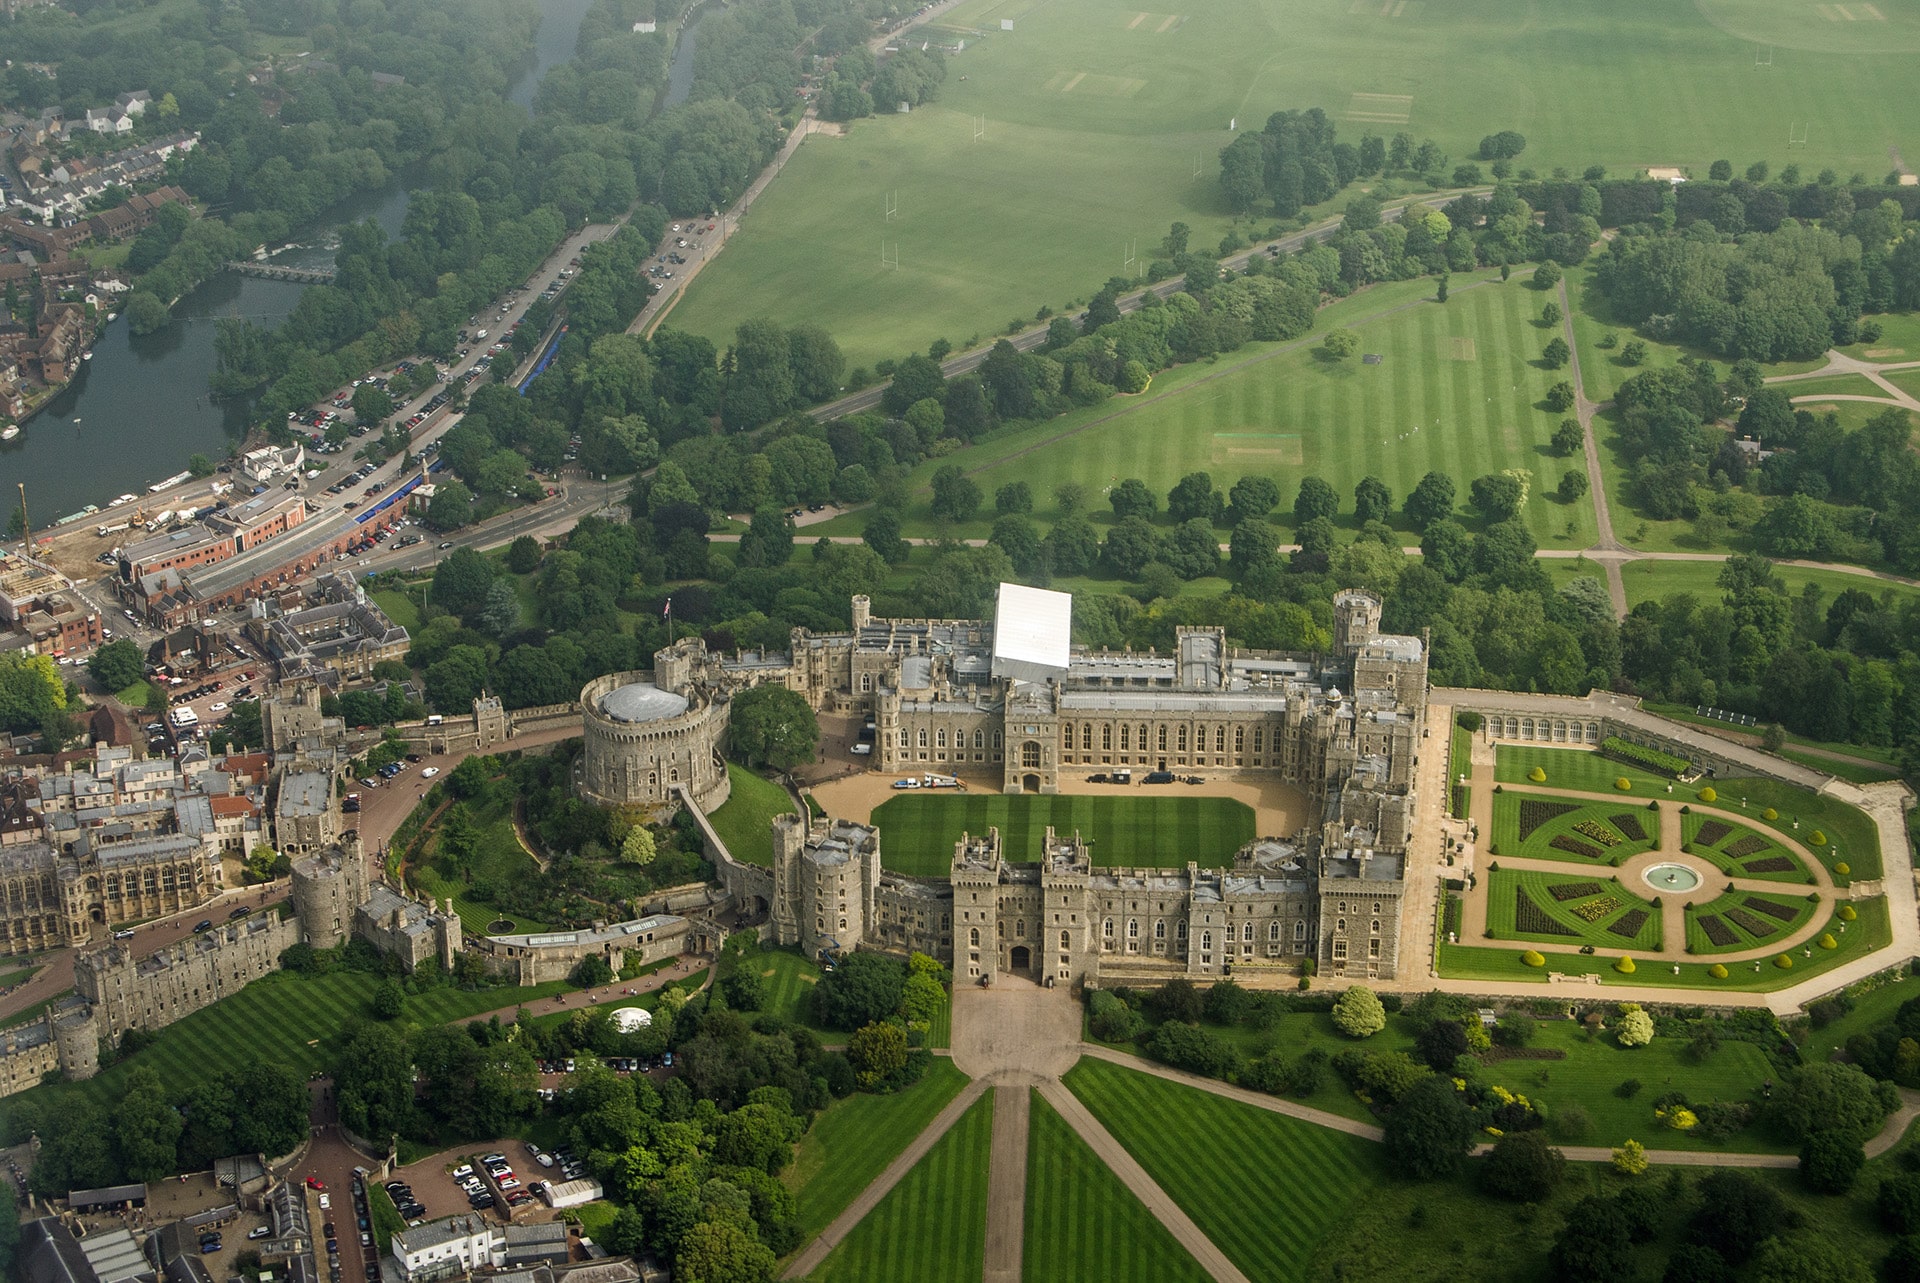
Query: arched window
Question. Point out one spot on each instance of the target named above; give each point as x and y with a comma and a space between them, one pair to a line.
903, 737
1259, 738
1181, 931
1181, 745
1206, 941
1106, 735
1220, 739
1376, 926
1106, 928
923, 737
996, 739
1133, 928
1246, 932
1126, 737
979, 739
1086, 735
1239, 739
1020, 929
1163, 738
973, 937
1160, 929
1299, 928
1273, 930
940, 737
1030, 754
1066, 940
1341, 925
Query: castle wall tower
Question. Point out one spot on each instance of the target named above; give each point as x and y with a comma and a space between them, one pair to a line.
77, 1037
1356, 621
862, 611
789, 843
447, 935
326, 889
975, 878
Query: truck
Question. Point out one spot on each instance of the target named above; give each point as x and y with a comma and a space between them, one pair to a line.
479, 334
941, 782
115, 529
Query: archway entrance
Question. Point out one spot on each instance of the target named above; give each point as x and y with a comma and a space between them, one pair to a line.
1022, 959
98, 914
1030, 783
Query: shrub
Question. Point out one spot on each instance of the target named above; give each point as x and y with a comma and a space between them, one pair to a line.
1533, 959
1899, 1203
1522, 1167
1848, 913
1635, 1029
1358, 1013
1515, 1029
1717, 971
1630, 1159
1571, 1123
1537, 775
1818, 838
1783, 962
1639, 755
1624, 784
1827, 942
1769, 814
1842, 868
1707, 794
1430, 1130
1625, 965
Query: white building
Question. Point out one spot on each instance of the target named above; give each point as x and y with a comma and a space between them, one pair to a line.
268, 462
446, 1248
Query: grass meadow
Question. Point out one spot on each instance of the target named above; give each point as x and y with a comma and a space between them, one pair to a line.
1266, 1189
1610, 903
1083, 1225
285, 1018
1103, 124
1649, 580
498, 858
1128, 832
745, 820
852, 1143
932, 1226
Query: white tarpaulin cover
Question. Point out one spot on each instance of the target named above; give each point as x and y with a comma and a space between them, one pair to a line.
1032, 631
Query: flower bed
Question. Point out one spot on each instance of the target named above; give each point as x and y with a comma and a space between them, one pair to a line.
1564, 891
1717, 930
1773, 908
1598, 832
1594, 910
1713, 833
1651, 759
1630, 923
1629, 825
1531, 918
1753, 926
1535, 812
1577, 847
1752, 844
1772, 864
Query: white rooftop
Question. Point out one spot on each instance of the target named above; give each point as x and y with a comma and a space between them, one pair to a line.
1032, 632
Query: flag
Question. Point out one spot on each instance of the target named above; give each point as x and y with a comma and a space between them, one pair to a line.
666, 611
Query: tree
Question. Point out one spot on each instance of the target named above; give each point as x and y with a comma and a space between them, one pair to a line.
1015, 496
372, 405
146, 1127
1131, 498
759, 375
1193, 496
1633, 352
1569, 437
1372, 500
722, 1252
638, 847
1358, 1013
882, 534
1498, 496
1555, 353
1736, 1213
1072, 546
523, 555
116, 665
1807, 1257
1593, 1245
1523, 1167
1253, 496
1560, 397
1020, 539
1430, 1131
955, 496
1830, 1161
1431, 500
591, 972
460, 582
1830, 1097
768, 540
863, 989
1130, 546
1317, 498
772, 726
1720, 171
1338, 345
472, 779
199, 465
877, 1051
389, 1000
1573, 485
1635, 1028
1441, 1043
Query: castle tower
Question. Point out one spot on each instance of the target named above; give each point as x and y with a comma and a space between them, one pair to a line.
489, 721
789, 844
975, 878
447, 935
862, 611
1356, 621
327, 888
76, 1037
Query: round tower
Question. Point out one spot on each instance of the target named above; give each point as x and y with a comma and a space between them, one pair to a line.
76, 1037
862, 611
1356, 621
323, 899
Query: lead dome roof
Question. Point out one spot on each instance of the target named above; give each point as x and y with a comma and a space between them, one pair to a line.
642, 702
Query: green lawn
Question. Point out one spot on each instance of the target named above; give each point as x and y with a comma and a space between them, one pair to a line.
1083, 1225
498, 858
932, 1226
1852, 772
1649, 580
1265, 1188
1852, 837
1575, 768
286, 1018
852, 1143
1907, 381
1601, 827
399, 607
1741, 837
1609, 904
745, 820
1103, 125
1806, 392
1734, 912
1870, 1009
1459, 766
1871, 932
918, 830
1899, 338
136, 695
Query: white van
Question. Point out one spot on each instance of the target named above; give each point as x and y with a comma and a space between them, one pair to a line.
183, 717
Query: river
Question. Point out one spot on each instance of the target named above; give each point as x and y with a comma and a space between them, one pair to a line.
135, 412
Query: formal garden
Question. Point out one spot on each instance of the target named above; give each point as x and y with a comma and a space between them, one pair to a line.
1740, 851
1552, 828
1741, 920
1555, 908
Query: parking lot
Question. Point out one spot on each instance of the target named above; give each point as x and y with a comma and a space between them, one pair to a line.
496, 1179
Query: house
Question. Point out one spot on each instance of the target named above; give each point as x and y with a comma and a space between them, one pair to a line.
269, 463
445, 1249
133, 104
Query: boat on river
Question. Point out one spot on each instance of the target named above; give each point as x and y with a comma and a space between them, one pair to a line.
9, 432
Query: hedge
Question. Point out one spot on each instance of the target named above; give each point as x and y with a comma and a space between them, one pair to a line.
1651, 759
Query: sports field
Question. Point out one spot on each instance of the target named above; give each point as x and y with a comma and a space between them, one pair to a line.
1083, 1225
932, 1226
854, 1140
1161, 831
1097, 116
1457, 391
1266, 1189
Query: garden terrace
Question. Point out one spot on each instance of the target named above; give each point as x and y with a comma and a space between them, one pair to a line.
1852, 838
1595, 833
1575, 768
1555, 909
1741, 920
1738, 850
